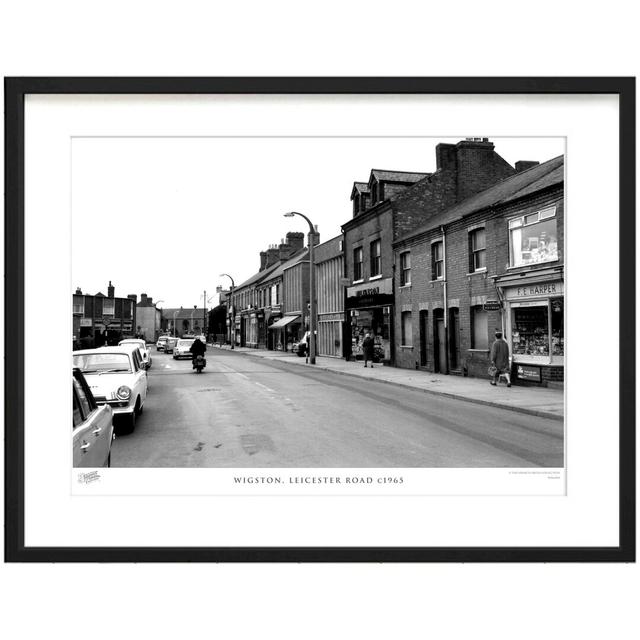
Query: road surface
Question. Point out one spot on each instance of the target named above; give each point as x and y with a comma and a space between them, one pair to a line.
250, 412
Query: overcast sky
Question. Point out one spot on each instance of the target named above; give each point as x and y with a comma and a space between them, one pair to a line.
166, 216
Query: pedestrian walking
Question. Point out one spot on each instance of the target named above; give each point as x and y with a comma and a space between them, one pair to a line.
367, 349
500, 360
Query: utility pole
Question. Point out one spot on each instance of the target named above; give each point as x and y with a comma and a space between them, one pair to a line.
204, 320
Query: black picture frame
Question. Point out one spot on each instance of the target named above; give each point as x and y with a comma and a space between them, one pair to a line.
15, 91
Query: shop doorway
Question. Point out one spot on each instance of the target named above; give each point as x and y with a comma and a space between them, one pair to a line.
424, 332
454, 338
440, 342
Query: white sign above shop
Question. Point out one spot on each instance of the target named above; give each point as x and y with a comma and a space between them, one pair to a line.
536, 290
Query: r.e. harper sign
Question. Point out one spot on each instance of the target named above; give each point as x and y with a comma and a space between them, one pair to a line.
536, 290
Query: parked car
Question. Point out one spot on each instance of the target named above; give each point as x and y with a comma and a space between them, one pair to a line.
170, 345
181, 350
117, 377
302, 346
161, 342
92, 426
142, 345
202, 338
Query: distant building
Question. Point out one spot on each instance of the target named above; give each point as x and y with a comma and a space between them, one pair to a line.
149, 319
184, 321
100, 319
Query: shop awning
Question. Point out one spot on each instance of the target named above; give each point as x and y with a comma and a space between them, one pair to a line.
283, 322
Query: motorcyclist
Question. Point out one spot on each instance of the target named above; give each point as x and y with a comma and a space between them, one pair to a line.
197, 349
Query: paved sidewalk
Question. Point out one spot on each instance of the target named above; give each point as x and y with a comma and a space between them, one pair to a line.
537, 401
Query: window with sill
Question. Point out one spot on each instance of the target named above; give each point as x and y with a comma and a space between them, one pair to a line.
375, 260
108, 307
405, 268
477, 250
437, 260
357, 264
533, 238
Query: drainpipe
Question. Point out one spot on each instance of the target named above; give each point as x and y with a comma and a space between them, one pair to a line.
445, 307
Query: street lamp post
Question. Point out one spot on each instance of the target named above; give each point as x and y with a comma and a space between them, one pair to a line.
232, 328
312, 287
175, 313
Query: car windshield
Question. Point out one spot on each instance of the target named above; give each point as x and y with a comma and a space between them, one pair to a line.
185, 343
103, 362
139, 343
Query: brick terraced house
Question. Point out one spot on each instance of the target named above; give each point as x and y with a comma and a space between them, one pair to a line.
493, 260
391, 205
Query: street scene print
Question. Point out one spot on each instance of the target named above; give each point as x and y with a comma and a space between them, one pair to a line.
318, 303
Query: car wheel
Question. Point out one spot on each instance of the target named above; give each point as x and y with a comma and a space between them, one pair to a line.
139, 407
175, 357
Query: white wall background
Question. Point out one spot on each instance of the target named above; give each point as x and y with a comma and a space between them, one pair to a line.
304, 601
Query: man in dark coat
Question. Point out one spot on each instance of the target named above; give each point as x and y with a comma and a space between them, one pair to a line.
500, 359
367, 349
197, 349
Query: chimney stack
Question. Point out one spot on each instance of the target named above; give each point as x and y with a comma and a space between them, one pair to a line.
78, 291
263, 260
523, 165
273, 255
445, 156
295, 239
134, 297
110, 290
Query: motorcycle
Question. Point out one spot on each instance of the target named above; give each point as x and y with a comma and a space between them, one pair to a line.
199, 363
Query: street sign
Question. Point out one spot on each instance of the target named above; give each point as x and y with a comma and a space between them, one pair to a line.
492, 305
524, 372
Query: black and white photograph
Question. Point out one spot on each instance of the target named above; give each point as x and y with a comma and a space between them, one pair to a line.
355, 316
358, 303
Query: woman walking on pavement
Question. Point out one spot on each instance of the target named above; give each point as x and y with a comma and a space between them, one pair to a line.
367, 349
500, 359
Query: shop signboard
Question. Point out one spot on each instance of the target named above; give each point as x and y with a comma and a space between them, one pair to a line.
525, 372
492, 305
85, 322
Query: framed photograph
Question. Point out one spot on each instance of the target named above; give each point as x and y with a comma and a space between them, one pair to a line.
320, 319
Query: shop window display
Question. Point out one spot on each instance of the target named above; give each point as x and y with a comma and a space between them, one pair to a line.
530, 331
533, 238
375, 322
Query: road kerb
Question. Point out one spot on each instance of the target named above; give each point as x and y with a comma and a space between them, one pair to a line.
489, 403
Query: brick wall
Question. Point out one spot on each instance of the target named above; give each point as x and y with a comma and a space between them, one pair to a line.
464, 289
368, 229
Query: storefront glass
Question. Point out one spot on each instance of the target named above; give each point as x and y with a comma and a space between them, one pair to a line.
377, 322
530, 331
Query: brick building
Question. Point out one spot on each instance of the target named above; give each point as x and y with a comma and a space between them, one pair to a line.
391, 205
100, 319
184, 321
494, 260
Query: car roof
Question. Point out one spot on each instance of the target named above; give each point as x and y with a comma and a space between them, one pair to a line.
125, 348
131, 341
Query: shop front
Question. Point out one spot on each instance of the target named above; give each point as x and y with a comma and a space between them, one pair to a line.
285, 332
534, 325
369, 309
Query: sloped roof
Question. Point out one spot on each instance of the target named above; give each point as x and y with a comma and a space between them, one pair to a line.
257, 277
517, 186
184, 313
327, 250
270, 272
397, 176
360, 187
281, 266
